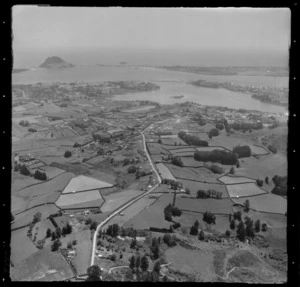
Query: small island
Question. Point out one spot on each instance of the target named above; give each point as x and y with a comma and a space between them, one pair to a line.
55, 63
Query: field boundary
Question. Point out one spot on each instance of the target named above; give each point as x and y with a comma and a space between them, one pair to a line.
192, 211
37, 206
200, 181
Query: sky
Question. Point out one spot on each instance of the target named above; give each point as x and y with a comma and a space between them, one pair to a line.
38, 28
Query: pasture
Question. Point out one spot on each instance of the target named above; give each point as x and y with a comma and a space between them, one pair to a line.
115, 200
40, 229
50, 197
131, 211
194, 186
190, 162
20, 181
26, 217
200, 174
265, 203
216, 206
81, 183
155, 148
51, 171
86, 198
44, 265
257, 150
173, 141
21, 246
189, 261
47, 187
152, 216
164, 171
17, 204
244, 189
271, 219
232, 179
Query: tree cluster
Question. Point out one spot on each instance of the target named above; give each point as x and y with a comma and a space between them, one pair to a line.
211, 193
221, 156
176, 160
260, 182
170, 211
209, 218
216, 169
40, 175
220, 126
237, 216
101, 151
280, 185
132, 169
113, 230
67, 229
24, 170
242, 151
170, 240
191, 140
67, 154
213, 133
24, 123
246, 126
194, 228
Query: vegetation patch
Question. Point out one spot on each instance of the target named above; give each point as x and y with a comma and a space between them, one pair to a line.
233, 180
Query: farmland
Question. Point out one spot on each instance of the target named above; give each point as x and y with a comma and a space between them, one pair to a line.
244, 189
233, 180
265, 203
216, 206
165, 172
87, 198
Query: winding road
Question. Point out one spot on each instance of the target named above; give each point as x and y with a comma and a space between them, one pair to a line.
129, 203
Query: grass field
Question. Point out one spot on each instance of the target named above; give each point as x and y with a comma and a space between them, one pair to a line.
83, 248
40, 229
231, 179
172, 141
221, 206
265, 203
47, 187
256, 150
156, 158
155, 148
131, 211
152, 216
85, 198
50, 197
267, 165
244, 189
164, 171
43, 265
51, 171
114, 200
21, 246
194, 186
26, 217
189, 161
272, 220
96, 160
17, 204
82, 182
20, 181
202, 174
189, 261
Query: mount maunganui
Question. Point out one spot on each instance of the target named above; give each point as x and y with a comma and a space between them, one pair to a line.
55, 63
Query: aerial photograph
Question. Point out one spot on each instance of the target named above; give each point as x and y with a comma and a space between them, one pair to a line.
149, 144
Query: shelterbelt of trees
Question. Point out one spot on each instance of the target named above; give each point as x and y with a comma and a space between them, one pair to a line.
192, 140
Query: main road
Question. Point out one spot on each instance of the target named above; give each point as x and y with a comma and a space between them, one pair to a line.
129, 203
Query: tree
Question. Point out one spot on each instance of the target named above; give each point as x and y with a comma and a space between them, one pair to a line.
259, 182
230, 217
93, 225
58, 232
88, 221
144, 263
232, 224
267, 180
67, 154
155, 252
53, 236
242, 151
194, 229
176, 160
264, 227
213, 133
48, 233
187, 190
55, 245
237, 164
156, 267
159, 141
201, 235
132, 169
132, 262
246, 205
69, 228
24, 170
232, 171
138, 262
94, 273
249, 227
101, 151
69, 245
257, 225
209, 218
237, 215
241, 232
37, 217
113, 257
227, 233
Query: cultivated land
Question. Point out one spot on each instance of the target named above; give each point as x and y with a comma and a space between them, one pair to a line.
110, 162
